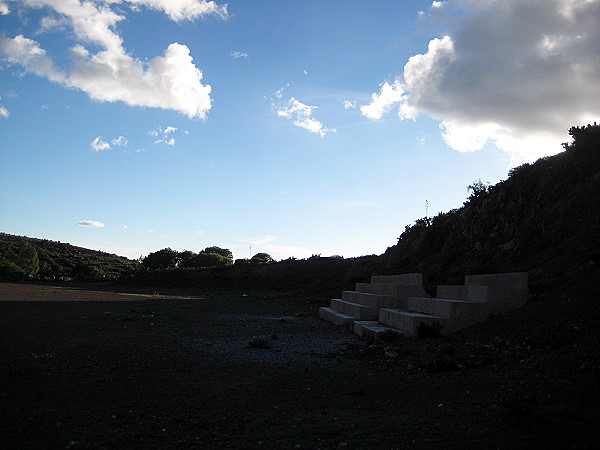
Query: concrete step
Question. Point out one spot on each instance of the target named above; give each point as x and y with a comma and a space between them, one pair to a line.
406, 278
518, 280
335, 317
402, 291
409, 321
460, 292
373, 330
463, 311
499, 298
356, 310
376, 300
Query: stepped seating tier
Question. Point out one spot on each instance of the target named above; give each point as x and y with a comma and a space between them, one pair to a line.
335, 317
356, 310
376, 300
447, 308
373, 329
406, 278
392, 289
401, 304
408, 321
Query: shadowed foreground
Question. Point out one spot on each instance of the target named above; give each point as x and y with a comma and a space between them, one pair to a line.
91, 369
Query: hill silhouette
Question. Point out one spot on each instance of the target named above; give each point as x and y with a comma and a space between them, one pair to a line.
544, 219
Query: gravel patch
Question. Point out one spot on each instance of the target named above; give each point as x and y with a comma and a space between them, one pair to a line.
288, 341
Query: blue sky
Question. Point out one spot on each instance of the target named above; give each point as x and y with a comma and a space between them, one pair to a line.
295, 127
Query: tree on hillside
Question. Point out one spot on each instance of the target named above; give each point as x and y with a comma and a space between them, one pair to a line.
478, 188
166, 258
28, 260
261, 258
84, 271
211, 260
9, 271
585, 139
186, 258
219, 251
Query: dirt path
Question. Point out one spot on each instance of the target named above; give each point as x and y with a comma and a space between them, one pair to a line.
95, 369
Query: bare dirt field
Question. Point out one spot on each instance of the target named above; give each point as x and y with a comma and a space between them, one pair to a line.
84, 367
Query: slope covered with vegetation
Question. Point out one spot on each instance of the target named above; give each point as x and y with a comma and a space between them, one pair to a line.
544, 219
27, 258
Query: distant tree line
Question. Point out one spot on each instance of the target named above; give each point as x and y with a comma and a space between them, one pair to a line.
167, 258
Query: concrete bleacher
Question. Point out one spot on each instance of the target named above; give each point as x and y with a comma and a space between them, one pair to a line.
399, 303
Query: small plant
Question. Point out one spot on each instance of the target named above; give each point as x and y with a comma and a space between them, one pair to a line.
259, 342
425, 330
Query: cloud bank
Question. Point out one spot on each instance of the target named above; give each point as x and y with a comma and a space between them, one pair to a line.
168, 81
517, 74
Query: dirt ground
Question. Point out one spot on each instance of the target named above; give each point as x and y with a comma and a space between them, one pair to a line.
84, 367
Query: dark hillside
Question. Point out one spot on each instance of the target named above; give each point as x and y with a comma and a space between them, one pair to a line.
60, 261
544, 219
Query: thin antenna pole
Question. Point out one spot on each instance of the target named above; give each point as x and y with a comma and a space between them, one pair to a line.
426, 207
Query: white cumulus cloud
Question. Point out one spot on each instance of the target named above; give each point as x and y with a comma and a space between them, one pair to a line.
52, 23
4, 112
389, 95
179, 10
168, 81
301, 116
238, 55
4, 10
121, 141
517, 74
98, 144
28, 54
90, 223
163, 134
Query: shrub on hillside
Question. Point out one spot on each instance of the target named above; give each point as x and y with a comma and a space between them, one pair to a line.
261, 258
9, 271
